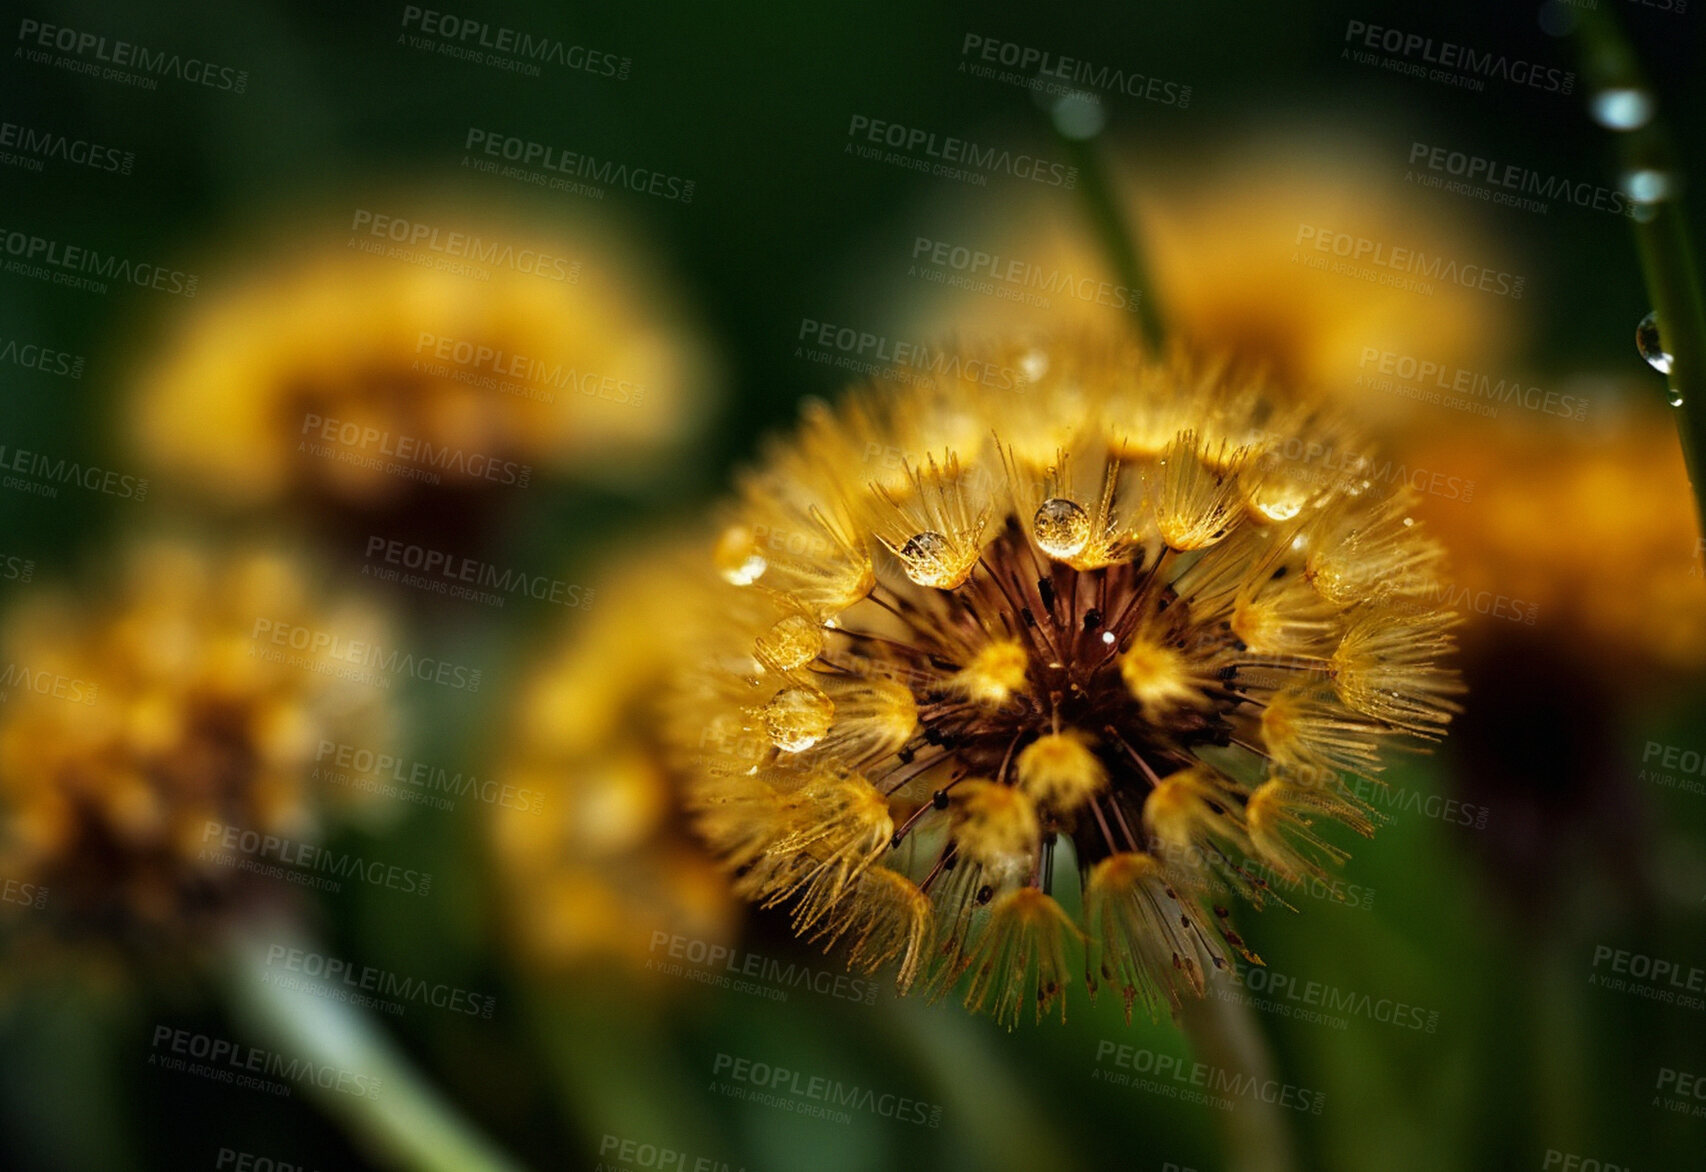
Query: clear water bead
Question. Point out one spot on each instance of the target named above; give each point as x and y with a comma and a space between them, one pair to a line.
1062, 527
927, 559
1079, 115
797, 718
1648, 185
1673, 397
794, 641
1651, 348
1623, 108
737, 556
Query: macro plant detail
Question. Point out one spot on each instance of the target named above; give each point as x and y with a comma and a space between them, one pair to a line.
1074, 626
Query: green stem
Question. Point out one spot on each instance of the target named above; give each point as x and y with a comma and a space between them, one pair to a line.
406, 1123
1224, 1033
1107, 218
1667, 263
1662, 239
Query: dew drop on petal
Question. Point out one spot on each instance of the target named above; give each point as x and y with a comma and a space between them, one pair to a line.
1623, 108
1062, 527
737, 556
927, 559
1673, 397
797, 718
1648, 343
793, 641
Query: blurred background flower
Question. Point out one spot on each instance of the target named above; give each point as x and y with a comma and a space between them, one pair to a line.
145, 717
388, 377
1283, 248
602, 861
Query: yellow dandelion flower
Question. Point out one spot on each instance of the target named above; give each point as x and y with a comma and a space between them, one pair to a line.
364, 382
594, 861
1100, 713
154, 741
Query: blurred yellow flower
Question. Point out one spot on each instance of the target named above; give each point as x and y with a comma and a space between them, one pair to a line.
603, 863
1287, 251
1589, 532
366, 373
138, 730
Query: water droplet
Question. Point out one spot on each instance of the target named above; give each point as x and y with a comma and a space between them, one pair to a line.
1648, 343
1079, 115
1673, 397
927, 558
1648, 185
797, 718
794, 640
1623, 108
1062, 527
737, 556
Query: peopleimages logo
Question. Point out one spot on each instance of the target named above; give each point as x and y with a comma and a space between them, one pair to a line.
954, 158
556, 161
416, 781
1451, 62
1057, 73
87, 268
43, 475
405, 456
446, 572
35, 147
849, 348
341, 980
483, 43
1402, 263
1008, 278
1181, 1078
1516, 182
750, 972
813, 1094
497, 369
31, 356
618, 1153
1306, 1000
103, 58
1469, 389
449, 243
329, 653
231, 1062
304, 863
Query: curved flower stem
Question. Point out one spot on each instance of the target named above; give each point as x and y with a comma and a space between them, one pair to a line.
1661, 237
1224, 1033
405, 1123
1102, 204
